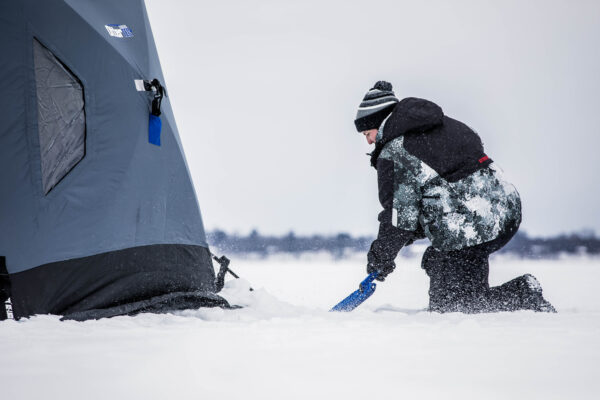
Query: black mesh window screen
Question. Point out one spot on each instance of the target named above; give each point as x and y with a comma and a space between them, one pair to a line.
61, 116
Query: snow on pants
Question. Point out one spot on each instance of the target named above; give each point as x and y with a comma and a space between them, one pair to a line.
459, 280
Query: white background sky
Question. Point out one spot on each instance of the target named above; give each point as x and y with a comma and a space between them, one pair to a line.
265, 93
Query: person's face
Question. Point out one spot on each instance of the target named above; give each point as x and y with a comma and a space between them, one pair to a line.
370, 135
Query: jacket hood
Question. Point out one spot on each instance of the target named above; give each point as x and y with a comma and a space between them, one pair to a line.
409, 115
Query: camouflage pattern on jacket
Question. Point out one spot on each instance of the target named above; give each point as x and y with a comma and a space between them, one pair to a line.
453, 215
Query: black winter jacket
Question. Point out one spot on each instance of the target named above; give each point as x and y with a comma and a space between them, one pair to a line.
435, 180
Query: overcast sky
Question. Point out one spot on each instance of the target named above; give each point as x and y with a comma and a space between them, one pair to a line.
265, 94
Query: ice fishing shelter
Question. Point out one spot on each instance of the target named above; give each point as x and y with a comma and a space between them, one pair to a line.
98, 214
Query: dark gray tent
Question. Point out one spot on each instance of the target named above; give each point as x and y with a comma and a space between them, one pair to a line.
98, 214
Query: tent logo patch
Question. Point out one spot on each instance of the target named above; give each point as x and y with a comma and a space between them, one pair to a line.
120, 31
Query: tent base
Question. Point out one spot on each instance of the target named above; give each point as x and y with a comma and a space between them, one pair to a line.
116, 279
159, 304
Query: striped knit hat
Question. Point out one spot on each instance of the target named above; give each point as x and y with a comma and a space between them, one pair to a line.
375, 107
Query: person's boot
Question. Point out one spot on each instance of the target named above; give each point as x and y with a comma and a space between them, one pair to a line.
522, 293
539, 303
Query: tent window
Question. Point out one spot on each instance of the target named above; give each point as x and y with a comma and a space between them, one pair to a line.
61, 116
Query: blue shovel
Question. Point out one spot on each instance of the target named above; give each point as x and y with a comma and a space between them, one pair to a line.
356, 298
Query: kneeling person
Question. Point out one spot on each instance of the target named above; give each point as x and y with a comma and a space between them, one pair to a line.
435, 181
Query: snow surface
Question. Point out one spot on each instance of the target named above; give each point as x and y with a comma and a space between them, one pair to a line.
285, 345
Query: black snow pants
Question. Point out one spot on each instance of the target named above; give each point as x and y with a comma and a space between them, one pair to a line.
459, 281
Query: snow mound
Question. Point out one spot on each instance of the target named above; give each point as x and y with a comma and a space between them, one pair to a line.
255, 305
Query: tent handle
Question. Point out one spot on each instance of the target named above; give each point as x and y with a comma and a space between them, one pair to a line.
158, 96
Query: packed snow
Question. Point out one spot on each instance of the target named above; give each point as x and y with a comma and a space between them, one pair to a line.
284, 344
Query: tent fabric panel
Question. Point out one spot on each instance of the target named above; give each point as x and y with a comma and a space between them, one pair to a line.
14, 162
125, 192
120, 195
60, 116
111, 279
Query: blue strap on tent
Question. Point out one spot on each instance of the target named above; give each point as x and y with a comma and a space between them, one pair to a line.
154, 123
154, 127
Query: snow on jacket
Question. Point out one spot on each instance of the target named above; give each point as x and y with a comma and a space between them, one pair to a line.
435, 180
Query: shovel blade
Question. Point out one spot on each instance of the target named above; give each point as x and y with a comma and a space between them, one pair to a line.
356, 298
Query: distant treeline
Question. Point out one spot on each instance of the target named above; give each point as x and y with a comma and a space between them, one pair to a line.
343, 244
339, 245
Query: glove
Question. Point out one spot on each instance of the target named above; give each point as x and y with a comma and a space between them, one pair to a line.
383, 269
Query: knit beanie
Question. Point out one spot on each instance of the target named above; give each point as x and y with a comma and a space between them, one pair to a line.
375, 107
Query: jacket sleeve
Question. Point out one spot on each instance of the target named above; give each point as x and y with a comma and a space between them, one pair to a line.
390, 238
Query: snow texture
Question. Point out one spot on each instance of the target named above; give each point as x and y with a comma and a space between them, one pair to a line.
285, 344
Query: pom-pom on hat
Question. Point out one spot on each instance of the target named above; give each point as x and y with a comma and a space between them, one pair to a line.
375, 107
